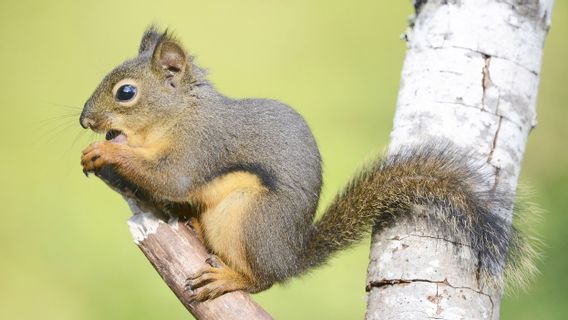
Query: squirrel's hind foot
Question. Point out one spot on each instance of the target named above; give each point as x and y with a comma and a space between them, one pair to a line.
214, 280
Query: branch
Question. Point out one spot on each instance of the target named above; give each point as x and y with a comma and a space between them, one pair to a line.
471, 76
175, 251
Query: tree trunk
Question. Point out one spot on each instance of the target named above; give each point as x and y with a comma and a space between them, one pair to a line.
470, 75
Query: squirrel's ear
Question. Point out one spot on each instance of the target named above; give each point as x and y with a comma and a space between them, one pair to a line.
170, 59
149, 39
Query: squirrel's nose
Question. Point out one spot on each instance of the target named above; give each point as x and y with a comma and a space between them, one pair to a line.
85, 121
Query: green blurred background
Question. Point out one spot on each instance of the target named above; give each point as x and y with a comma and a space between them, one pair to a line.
65, 250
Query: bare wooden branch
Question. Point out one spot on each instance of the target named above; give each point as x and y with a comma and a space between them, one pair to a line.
471, 76
175, 251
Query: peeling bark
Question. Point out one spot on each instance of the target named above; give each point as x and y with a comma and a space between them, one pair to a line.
471, 76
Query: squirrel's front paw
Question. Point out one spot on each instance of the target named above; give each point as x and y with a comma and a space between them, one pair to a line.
97, 155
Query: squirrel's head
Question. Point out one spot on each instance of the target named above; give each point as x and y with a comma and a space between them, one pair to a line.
142, 94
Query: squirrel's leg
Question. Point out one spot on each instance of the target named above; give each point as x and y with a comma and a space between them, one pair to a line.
140, 165
227, 203
216, 279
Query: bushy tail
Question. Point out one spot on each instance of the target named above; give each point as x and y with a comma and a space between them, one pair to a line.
438, 177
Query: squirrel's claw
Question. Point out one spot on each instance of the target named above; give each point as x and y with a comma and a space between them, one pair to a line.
208, 292
215, 261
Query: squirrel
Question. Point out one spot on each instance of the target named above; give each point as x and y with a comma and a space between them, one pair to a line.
251, 168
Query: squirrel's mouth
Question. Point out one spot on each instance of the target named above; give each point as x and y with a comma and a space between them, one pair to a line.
115, 136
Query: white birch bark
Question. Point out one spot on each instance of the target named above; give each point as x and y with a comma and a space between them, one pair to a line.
470, 75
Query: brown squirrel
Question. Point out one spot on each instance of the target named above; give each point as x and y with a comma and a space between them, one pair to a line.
252, 169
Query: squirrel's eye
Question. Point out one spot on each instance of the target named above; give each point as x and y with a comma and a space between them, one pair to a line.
126, 92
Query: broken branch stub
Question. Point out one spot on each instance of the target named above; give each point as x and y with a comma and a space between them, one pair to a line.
175, 251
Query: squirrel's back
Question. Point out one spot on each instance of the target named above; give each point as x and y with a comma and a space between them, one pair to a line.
267, 138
